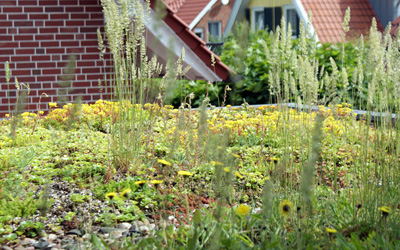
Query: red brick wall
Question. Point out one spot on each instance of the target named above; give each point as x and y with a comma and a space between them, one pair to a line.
37, 37
218, 12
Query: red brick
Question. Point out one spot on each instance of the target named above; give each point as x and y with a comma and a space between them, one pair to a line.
25, 65
6, 51
12, 9
59, 16
81, 84
4, 59
51, 71
6, 23
28, 30
91, 56
32, 9
68, 57
3, 16
46, 64
55, 51
54, 23
95, 22
46, 79
89, 43
23, 23
3, 31
75, 50
8, 2
8, 44
64, 37
24, 51
70, 44
39, 16
69, 29
20, 59
23, 37
48, 2
27, 2
17, 73
94, 9
88, 29
29, 44
55, 57
39, 23
68, 2
91, 36
90, 70
74, 23
47, 91
54, 9
17, 16
92, 50
12, 30
88, 2
44, 37
74, 9
48, 30
79, 36
26, 79
6, 38
41, 58
96, 16
94, 77
79, 16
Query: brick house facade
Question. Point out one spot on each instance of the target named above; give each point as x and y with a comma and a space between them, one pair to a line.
38, 37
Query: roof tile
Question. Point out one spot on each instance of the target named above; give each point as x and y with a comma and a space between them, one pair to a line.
328, 17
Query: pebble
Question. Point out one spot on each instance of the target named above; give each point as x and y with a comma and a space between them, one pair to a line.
6, 248
124, 225
74, 232
105, 230
27, 242
52, 237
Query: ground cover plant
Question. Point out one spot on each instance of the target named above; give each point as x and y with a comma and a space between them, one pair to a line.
128, 174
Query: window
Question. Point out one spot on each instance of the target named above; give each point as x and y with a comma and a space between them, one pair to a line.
258, 18
199, 32
263, 18
214, 31
292, 18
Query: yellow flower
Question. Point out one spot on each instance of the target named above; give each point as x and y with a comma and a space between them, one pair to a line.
216, 163
164, 162
238, 175
184, 173
52, 105
140, 183
228, 106
7, 115
227, 170
331, 230
41, 112
267, 178
236, 155
285, 208
242, 209
126, 192
111, 195
156, 182
385, 210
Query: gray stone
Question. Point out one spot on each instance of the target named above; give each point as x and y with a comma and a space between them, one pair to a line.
74, 232
52, 237
6, 248
124, 225
105, 230
27, 242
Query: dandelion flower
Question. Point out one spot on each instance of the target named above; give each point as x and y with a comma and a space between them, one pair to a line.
331, 230
164, 162
185, 173
285, 207
7, 115
267, 178
156, 182
227, 170
385, 210
236, 155
242, 209
140, 183
126, 192
111, 195
238, 175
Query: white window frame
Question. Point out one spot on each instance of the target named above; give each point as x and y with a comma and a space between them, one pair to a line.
285, 9
219, 30
253, 16
201, 31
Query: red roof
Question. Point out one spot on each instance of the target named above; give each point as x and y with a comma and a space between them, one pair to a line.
187, 9
197, 45
175, 5
395, 26
327, 18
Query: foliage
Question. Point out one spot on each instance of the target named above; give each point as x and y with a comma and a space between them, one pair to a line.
11, 207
